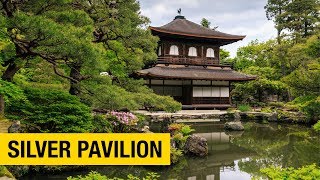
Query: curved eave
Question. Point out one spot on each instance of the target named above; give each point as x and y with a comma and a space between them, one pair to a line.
238, 38
195, 78
196, 74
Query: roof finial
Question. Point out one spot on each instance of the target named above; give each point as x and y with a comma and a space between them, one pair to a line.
179, 11
179, 15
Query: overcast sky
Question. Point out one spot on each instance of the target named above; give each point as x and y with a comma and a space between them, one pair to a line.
239, 17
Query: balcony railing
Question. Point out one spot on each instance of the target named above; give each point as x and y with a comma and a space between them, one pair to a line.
196, 61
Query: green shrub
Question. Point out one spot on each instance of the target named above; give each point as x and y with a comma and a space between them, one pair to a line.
186, 130
266, 110
97, 176
92, 175
258, 91
113, 97
316, 127
156, 102
5, 172
101, 125
175, 155
244, 108
180, 132
312, 108
303, 99
276, 104
51, 110
306, 172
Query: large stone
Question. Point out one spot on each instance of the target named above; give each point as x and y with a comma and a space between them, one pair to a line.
196, 146
237, 116
15, 127
233, 126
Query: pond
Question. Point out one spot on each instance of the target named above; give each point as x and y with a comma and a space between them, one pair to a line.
232, 155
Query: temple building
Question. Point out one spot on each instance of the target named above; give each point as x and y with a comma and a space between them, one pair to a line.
188, 67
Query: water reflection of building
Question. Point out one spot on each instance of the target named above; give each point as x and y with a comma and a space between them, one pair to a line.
222, 155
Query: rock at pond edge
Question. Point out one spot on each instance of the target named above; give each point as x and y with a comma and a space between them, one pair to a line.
196, 146
233, 126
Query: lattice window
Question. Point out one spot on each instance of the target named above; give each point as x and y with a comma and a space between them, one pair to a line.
192, 51
174, 50
210, 53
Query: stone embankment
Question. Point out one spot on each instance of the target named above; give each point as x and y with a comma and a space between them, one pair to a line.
217, 115
282, 116
185, 115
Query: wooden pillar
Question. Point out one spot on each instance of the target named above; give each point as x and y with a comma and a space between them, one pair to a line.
229, 93
203, 59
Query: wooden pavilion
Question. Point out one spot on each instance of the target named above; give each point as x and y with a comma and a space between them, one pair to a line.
188, 67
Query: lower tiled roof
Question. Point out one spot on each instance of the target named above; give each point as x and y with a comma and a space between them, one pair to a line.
194, 72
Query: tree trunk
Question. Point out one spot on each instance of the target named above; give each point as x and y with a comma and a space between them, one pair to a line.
11, 70
278, 35
75, 88
1, 105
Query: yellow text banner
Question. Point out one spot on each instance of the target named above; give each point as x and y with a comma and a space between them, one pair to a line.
84, 149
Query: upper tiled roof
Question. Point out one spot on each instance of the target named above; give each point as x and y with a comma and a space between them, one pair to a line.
184, 27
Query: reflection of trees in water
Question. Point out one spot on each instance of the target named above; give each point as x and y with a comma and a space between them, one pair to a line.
285, 146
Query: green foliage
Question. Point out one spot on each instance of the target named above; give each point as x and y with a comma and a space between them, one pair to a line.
305, 172
305, 80
312, 108
298, 17
152, 102
93, 175
244, 108
205, 23
59, 35
5, 172
180, 132
101, 125
255, 53
224, 56
131, 95
276, 104
10, 90
263, 72
266, 110
51, 110
175, 155
186, 130
313, 44
258, 90
316, 127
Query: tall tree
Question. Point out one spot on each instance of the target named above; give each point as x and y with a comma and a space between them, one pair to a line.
124, 34
51, 30
301, 17
205, 23
274, 10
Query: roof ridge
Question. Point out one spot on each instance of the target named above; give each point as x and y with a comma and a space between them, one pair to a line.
186, 27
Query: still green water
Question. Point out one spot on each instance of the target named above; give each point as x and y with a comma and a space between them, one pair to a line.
232, 155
